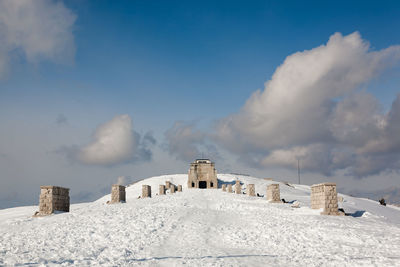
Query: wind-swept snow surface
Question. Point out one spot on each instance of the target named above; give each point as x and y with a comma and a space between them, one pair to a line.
203, 228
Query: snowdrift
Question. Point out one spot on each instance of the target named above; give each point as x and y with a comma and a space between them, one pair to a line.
203, 228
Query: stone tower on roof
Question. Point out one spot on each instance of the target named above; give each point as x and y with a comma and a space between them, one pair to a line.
202, 174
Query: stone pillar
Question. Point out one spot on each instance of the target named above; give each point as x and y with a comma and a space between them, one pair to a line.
224, 187
273, 194
179, 188
117, 193
146, 191
53, 198
229, 188
238, 187
172, 189
161, 189
251, 191
167, 184
325, 196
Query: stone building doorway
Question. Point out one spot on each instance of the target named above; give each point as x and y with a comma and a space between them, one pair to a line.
202, 184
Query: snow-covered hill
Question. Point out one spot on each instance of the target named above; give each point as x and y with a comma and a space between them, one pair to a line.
203, 228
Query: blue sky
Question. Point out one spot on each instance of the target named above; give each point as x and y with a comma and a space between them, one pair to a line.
166, 61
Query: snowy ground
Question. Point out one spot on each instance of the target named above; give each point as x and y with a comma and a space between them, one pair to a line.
203, 228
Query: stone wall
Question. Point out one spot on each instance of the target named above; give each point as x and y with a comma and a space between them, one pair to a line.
117, 193
251, 191
238, 187
146, 191
179, 188
224, 187
325, 196
229, 188
273, 194
161, 190
53, 198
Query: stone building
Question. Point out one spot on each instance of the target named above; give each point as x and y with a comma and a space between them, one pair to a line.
325, 196
117, 193
53, 198
273, 193
202, 174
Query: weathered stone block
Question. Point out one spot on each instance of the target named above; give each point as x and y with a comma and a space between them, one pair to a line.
251, 191
117, 193
238, 187
273, 193
167, 184
325, 196
146, 191
161, 190
53, 198
224, 187
179, 188
229, 188
172, 189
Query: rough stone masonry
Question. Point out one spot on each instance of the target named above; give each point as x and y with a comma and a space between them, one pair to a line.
251, 191
146, 191
273, 194
118, 193
172, 189
325, 196
161, 189
229, 188
53, 198
238, 187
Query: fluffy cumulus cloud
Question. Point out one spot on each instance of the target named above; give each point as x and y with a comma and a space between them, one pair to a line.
186, 142
314, 109
36, 30
115, 142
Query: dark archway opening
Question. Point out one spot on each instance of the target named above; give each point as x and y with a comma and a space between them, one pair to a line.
202, 184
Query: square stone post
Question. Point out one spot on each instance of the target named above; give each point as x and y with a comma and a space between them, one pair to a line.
179, 188
325, 196
172, 189
146, 191
229, 188
161, 189
238, 187
53, 198
167, 184
224, 187
117, 193
251, 191
273, 194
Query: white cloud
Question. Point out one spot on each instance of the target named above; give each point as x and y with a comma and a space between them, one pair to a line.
38, 30
113, 142
313, 108
188, 143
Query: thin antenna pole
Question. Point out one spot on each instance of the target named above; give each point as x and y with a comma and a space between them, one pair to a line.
298, 169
